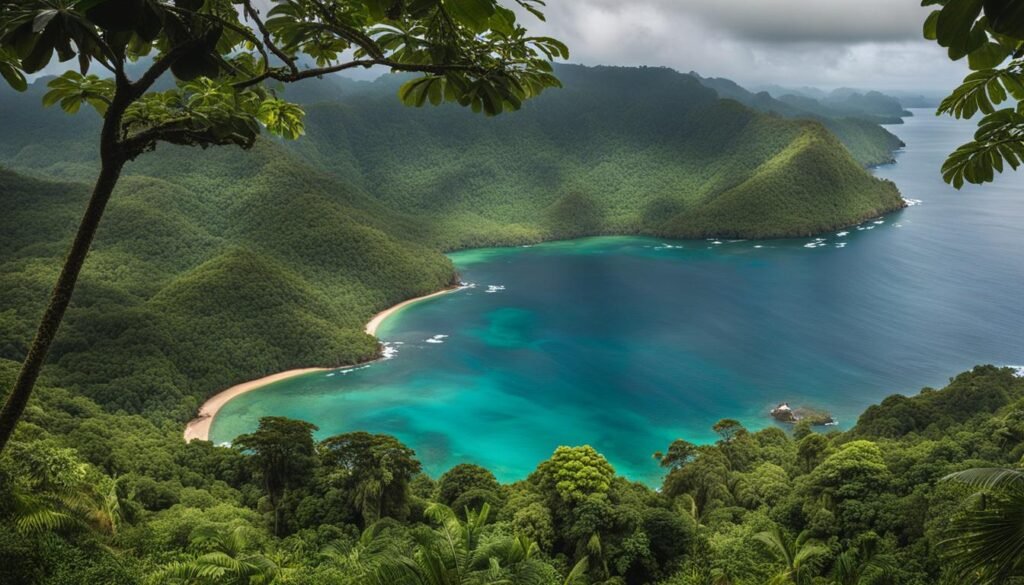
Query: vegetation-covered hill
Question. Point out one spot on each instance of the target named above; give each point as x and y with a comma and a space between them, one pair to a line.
232, 272
853, 117
218, 266
618, 150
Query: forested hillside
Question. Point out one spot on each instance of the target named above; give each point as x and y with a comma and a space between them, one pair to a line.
218, 266
618, 150
239, 268
853, 117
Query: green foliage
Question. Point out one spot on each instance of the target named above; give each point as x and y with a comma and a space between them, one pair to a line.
866, 511
226, 557
472, 52
465, 553
853, 118
573, 474
986, 539
571, 166
462, 480
680, 452
979, 392
801, 558
282, 454
988, 34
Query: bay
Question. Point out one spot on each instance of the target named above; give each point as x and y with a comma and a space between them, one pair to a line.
627, 343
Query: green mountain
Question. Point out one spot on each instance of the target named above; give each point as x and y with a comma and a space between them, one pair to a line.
854, 118
618, 150
242, 267
218, 266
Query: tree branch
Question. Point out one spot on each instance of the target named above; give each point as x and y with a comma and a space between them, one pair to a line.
330, 23
160, 66
178, 132
268, 40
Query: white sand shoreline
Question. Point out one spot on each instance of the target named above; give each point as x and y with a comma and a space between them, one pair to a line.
199, 427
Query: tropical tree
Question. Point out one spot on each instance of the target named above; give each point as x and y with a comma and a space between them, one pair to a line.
991, 35
50, 489
986, 543
680, 452
862, 564
283, 454
374, 469
463, 479
728, 429
224, 55
460, 553
573, 474
801, 558
226, 557
361, 559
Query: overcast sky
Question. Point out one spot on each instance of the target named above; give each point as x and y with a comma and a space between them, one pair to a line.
866, 44
874, 44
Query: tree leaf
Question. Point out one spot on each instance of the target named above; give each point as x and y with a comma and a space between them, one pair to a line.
930, 24
1006, 16
473, 14
13, 76
955, 23
988, 56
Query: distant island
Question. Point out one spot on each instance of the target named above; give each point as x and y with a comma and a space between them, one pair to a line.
787, 414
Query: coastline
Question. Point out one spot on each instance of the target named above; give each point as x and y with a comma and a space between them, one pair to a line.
376, 321
199, 427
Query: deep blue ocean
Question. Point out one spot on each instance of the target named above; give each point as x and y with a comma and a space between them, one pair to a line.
628, 343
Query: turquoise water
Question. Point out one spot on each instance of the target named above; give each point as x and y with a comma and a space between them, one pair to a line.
629, 343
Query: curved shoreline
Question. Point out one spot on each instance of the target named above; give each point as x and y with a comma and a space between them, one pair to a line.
379, 318
199, 427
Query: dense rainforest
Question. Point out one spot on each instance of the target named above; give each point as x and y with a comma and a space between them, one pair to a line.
99, 496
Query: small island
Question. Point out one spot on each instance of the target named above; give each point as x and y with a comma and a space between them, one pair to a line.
787, 414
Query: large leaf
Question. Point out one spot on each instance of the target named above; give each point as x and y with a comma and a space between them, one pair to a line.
988, 56
1006, 17
997, 478
930, 25
954, 26
473, 14
11, 74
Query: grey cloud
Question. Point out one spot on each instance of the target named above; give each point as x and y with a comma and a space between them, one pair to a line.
794, 21
827, 43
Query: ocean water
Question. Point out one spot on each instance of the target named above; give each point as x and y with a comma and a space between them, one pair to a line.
628, 343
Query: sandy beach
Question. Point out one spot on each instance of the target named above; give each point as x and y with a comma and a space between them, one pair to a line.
199, 427
379, 318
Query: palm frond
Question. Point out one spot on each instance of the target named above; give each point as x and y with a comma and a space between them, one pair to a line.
44, 520
987, 546
989, 478
578, 574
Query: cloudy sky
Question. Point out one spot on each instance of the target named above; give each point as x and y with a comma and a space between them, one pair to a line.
873, 44
866, 44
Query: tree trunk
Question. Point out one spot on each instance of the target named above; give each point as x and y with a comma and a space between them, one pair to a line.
18, 397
